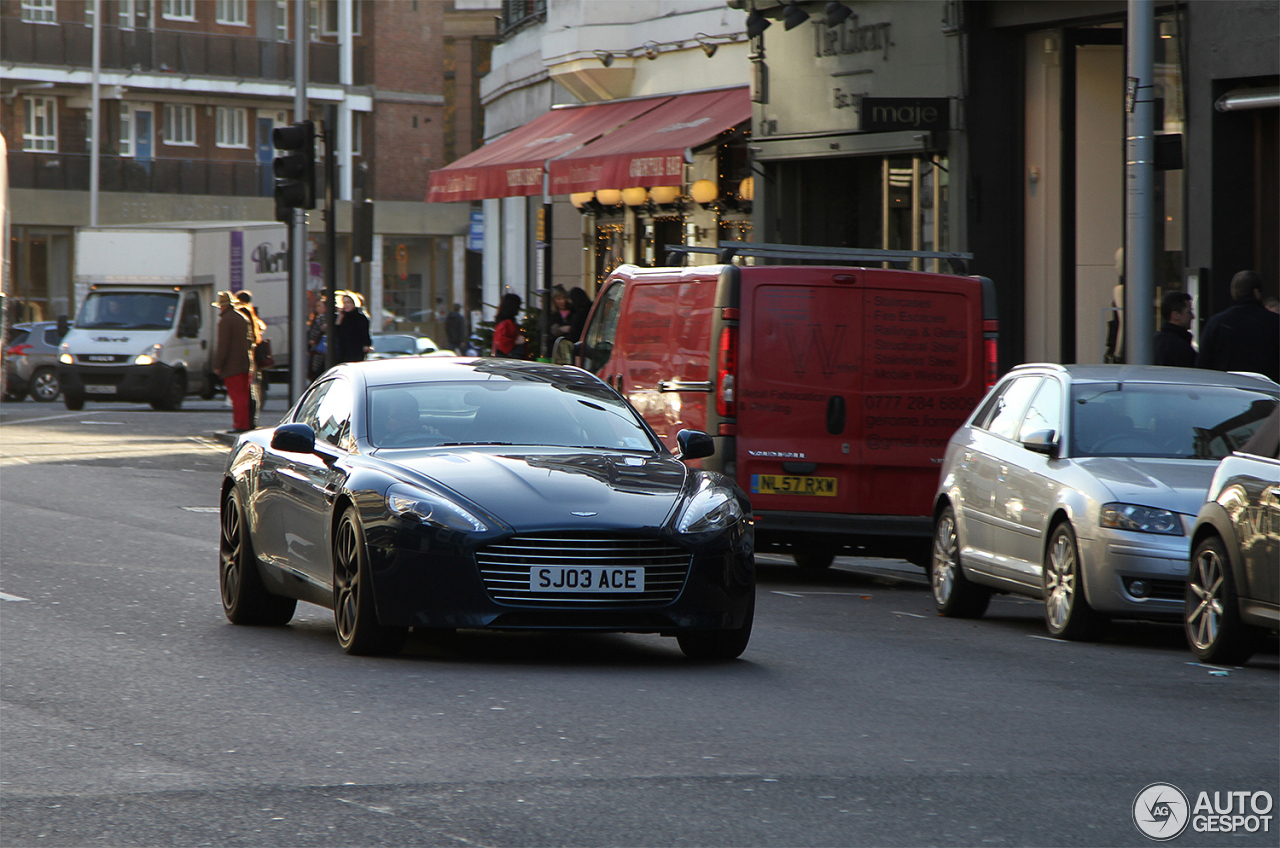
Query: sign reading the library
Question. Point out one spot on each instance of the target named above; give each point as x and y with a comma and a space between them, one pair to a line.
888, 114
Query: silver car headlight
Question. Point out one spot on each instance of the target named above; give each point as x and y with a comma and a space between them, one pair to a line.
150, 355
430, 508
1141, 519
713, 507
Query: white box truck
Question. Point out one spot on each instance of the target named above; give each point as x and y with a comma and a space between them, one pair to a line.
147, 323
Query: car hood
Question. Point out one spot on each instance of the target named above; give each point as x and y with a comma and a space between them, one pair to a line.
1174, 484
546, 489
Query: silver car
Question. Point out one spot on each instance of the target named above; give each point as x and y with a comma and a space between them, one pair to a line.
1233, 590
31, 361
1079, 484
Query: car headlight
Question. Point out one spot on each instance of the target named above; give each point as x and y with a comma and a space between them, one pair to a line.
713, 507
430, 508
64, 354
148, 356
1142, 519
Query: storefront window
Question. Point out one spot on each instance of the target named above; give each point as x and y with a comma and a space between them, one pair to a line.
417, 285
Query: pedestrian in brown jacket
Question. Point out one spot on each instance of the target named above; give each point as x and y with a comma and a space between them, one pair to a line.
233, 358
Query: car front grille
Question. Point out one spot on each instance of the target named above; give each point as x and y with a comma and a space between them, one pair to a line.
505, 567
103, 358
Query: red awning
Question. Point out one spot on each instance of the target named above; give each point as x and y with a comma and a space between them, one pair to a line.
653, 149
513, 165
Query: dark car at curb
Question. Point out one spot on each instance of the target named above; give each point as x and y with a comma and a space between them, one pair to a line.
1233, 588
442, 494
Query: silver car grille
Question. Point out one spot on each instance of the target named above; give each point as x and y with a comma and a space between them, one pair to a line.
505, 567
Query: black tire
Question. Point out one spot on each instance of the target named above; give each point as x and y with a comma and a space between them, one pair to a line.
1211, 618
244, 599
719, 645
174, 394
209, 387
355, 617
73, 401
13, 397
814, 555
955, 595
1067, 613
44, 385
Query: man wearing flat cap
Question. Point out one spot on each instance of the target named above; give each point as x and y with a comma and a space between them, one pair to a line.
233, 358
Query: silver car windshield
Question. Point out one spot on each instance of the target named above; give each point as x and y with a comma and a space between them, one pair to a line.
445, 414
1162, 420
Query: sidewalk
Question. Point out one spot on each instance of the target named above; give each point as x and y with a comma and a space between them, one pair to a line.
273, 409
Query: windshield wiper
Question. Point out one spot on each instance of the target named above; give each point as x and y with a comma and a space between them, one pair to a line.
470, 444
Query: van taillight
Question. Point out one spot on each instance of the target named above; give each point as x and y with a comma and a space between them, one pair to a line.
727, 372
19, 350
993, 370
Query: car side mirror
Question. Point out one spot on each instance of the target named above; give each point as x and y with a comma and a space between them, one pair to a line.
64, 324
562, 351
294, 438
1042, 441
694, 444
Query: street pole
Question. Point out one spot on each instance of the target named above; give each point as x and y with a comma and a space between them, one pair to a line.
1139, 246
330, 237
298, 271
95, 112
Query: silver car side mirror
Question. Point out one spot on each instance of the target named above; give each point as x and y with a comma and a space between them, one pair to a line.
1042, 441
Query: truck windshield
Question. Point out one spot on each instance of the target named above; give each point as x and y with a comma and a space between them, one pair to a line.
128, 310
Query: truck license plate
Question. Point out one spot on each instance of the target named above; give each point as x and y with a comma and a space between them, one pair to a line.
778, 484
587, 579
99, 390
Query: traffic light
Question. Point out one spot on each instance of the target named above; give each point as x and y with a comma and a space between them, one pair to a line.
295, 170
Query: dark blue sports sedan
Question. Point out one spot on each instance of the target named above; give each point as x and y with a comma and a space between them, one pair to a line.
438, 494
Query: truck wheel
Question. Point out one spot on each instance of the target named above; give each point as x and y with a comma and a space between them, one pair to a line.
73, 400
44, 385
815, 554
174, 395
207, 390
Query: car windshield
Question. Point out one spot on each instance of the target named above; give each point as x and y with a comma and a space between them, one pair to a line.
128, 311
445, 414
1164, 420
395, 344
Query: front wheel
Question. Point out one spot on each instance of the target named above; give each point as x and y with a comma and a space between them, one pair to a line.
354, 615
244, 599
815, 555
73, 401
174, 394
719, 645
1212, 615
955, 595
44, 385
1067, 613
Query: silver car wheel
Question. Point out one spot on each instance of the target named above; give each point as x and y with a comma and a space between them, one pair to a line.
1205, 620
1060, 581
946, 558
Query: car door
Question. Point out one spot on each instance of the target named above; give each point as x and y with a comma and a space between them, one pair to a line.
984, 464
1029, 487
308, 483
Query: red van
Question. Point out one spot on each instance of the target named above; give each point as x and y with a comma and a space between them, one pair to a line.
831, 392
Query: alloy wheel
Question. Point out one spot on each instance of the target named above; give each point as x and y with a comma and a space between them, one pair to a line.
346, 579
1060, 581
945, 559
230, 551
1204, 622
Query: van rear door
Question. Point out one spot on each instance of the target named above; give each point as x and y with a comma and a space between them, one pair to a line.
851, 382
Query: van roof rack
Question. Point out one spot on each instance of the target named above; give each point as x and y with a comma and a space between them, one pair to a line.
841, 255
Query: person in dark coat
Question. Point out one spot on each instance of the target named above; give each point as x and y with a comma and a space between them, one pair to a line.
579, 307
233, 358
351, 330
455, 330
1246, 335
1173, 342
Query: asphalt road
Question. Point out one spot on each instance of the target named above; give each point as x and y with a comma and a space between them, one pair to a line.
132, 713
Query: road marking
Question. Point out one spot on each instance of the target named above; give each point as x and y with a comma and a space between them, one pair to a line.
912, 614
202, 508
1048, 639
48, 418
116, 423
788, 594
7, 597
216, 447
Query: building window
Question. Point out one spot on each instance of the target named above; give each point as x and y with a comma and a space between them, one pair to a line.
232, 127
40, 125
282, 20
179, 124
517, 14
178, 10
329, 16
126, 130
88, 12
357, 133
39, 11
232, 12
